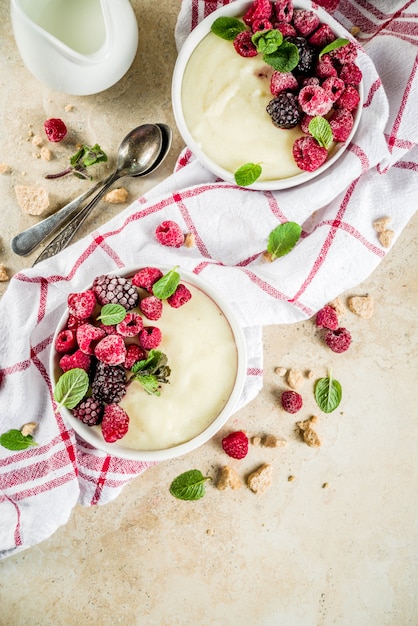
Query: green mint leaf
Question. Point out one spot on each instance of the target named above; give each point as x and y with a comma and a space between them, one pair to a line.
328, 393
320, 129
247, 174
334, 45
283, 239
88, 155
149, 383
227, 27
14, 440
267, 41
284, 59
112, 314
189, 485
151, 372
166, 285
71, 387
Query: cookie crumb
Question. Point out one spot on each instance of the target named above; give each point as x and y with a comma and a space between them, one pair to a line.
308, 434
381, 224
260, 480
68, 107
310, 374
37, 140
325, 485
386, 238
355, 31
4, 168
228, 479
291, 478
4, 275
280, 371
32, 199
29, 428
189, 240
267, 256
363, 306
294, 378
45, 153
116, 196
256, 440
271, 441
338, 306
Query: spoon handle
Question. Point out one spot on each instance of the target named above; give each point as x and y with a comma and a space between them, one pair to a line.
64, 237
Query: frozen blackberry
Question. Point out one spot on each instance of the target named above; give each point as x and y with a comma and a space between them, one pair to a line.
307, 56
109, 383
89, 411
115, 290
284, 110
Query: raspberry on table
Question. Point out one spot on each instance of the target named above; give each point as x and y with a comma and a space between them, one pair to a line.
89, 411
180, 297
146, 277
115, 290
282, 81
169, 234
243, 44
291, 401
338, 340
115, 423
341, 123
87, 335
322, 36
65, 341
150, 337
109, 383
327, 318
284, 110
111, 350
334, 87
134, 353
77, 359
130, 326
236, 444
284, 10
55, 129
81, 305
308, 154
349, 99
151, 307
314, 100
305, 21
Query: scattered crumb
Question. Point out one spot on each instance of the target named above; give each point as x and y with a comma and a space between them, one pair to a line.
308, 434
363, 306
386, 237
30, 134
291, 478
189, 240
338, 306
228, 479
46, 153
355, 30
256, 440
325, 485
381, 224
4, 168
280, 371
260, 480
116, 196
37, 140
4, 275
33, 200
29, 428
68, 107
310, 374
294, 378
210, 532
314, 419
36, 155
267, 256
271, 441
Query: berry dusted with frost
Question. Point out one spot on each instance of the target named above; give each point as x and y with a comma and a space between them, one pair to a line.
111, 350
351, 74
134, 353
284, 110
322, 37
305, 120
89, 411
284, 10
109, 329
169, 234
243, 44
291, 401
73, 322
65, 341
236, 444
282, 81
109, 383
324, 69
115, 423
180, 297
151, 307
327, 318
314, 100
338, 340
115, 290
150, 337
307, 55
334, 87
286, 29
55, 129
308, 154
261, 24
259, 10
345, 54
81, 305
349, 99
341, 124
305, 21
77, 359
130, 326
146, 277
87, 335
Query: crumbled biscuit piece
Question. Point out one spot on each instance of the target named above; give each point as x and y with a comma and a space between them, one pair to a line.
314, 419
338, 306
294, 378
355, 30
280, 371
308, 434
267, 256
325, 485
3, 273
29, 428
4, 168
37, 140
228, 479
45, 153
36, 155
116, 196
260, 480
33, 200
381, 224
271, 441
68, 107
310, 374
386, 237
363, 306
189, 240
210, 532
291, 478
256, 440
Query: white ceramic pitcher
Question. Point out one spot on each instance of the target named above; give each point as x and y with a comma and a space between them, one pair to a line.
79, 47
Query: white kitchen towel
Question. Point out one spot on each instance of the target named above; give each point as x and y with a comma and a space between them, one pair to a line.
339, 248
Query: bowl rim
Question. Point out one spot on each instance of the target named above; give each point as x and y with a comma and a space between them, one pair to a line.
236, 9
95, 439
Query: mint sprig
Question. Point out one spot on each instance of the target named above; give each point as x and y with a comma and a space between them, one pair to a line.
112, 314
267, 41
283, 239
284, 59
151, 372
84, 158
247, 174
227, 27
189, 486
328, 393
15, 440
320, 129
334, 45
166, 285
71, 387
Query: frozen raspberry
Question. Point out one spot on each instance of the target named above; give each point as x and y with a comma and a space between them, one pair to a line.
345, 54
115, 290
89, 411
169, 234
73, 322
305, 21
77, 359
236, 444
146, 277
134, 353
244, 46
283, 10
291, 401
115, 423
351, 74
130, 326
338, 340
286, 29
87, 335
284, 110
109, 383
282, 81
324, 68
307, 55
151, 307
328, 5
322, 37
259, 10
81, 305
261, 24
314, 100
111, 350
349, 99
179, 297
109, 329
150, 337
308, 154
65, 341
55, 129
334, 87
341, 124
327, 318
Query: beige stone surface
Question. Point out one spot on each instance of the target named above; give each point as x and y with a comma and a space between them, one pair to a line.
297, 555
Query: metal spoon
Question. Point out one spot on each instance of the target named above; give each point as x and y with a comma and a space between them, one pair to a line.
144, 143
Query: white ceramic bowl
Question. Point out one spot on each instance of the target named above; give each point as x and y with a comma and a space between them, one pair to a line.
94, 436
238, 9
